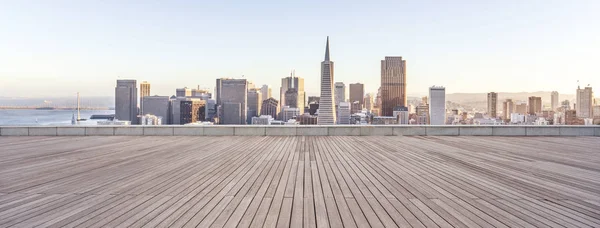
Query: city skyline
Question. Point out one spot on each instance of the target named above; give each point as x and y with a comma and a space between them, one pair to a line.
522, 51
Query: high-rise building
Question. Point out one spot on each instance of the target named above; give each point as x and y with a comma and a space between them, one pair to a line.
265, 91
508, 107
368, 102
343, 113
211, 110
232, 113
357, 93
566, 105
183, 92
437, 105
393, 84
339, 91
254, 103
584, 102
326, 103
270, 107
292, 82
492, 104
157, 106
422, 114
554, 100
535, 105
232, 91
144, 91
201, 93
185, 110
126, 101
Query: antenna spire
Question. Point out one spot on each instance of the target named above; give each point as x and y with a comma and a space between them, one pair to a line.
327, 50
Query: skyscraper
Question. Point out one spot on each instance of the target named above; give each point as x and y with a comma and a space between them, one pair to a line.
232, 91
554, 100
508, 107
584, 102
254, 103
535, 105
265, 91
292, 82
357, 93
158, 106
183, 92
126, 101
492, 104
339, 92
368, 101
270, 107
343, 116
144, 91
437, 105
326, 105
393, 84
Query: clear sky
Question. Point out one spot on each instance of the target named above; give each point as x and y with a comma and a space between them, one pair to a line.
56, 48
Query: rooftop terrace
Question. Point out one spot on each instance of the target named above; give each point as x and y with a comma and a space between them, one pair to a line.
310, 181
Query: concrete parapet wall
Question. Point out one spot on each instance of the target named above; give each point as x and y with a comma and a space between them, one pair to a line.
312, 130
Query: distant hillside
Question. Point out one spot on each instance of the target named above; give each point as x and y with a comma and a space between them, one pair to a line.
58, 101
522, 96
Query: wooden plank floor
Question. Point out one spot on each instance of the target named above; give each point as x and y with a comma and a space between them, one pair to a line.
299, 181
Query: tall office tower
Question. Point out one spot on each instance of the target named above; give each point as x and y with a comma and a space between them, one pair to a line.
422, 114
158, 106
554, 100
521, 108
393, 84
232, 91
437, 105
368, 101
292, 82
201, 93
254, 103
343, 115
535, 105
508, 107
326, 103
126, 101
339, 92
265, 91
585, 102
183, 92
357, 93
401, 114
492, 104
232, 113
211, 110
144, 91
186, 110
270, 107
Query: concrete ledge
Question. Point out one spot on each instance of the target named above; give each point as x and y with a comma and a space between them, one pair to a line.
250, 131
158, 131
42, 131
376, 131
188, 131
577, 131
597, 131
442, 130
312, 131
70, 131
14, 131
508, 131
219, 131
99, 131
475, 130
409, 130
542, 131
344, 131
129, 131
280, 131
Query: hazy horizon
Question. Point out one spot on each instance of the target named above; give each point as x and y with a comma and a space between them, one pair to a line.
59, 48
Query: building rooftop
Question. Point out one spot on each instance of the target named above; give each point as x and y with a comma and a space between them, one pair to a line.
176, 181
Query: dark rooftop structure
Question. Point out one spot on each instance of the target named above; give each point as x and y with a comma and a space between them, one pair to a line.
299, 181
